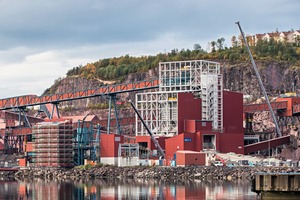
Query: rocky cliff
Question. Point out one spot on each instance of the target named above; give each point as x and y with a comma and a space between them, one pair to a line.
82, 106
277, 77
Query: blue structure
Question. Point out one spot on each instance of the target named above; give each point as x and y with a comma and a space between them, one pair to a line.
87, 142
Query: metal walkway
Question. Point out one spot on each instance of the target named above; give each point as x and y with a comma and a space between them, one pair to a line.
251, 108
267, 144
32, 100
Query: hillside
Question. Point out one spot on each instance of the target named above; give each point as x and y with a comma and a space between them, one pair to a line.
278, 63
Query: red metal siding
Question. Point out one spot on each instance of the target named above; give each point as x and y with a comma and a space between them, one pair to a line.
162, 142
150, 143
288, 111
172, 145
145, 139
231, 143
189, 141
293, 101
267, 144
190, 126
190, 158
109, 144
188, 108
232, 139
296, 105
232, 112
198, 143
203, 125
184, 141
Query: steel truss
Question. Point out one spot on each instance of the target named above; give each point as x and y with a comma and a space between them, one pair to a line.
160, 109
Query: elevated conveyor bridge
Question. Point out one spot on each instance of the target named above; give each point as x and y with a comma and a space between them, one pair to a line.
15, 136
252, 108
32, 100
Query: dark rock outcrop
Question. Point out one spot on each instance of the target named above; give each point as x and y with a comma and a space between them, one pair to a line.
158, 173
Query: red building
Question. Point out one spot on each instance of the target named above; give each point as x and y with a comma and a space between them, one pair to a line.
198, 135
195, 134
109, 145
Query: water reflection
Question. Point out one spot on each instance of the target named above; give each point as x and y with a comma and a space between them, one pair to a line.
129, 189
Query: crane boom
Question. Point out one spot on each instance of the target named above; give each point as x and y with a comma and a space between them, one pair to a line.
149, 132
260, 82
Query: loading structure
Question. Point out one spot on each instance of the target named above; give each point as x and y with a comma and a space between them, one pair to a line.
13, 137
160, 109
54, 144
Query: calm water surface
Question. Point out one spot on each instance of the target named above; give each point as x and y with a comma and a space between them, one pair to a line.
129, 189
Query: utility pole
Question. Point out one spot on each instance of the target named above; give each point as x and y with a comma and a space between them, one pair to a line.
260, 82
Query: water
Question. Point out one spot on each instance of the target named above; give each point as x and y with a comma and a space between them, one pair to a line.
129, 189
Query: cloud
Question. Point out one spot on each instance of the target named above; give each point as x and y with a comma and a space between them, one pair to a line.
42, 40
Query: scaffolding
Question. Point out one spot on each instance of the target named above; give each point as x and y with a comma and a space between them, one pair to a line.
54, 144
160, 109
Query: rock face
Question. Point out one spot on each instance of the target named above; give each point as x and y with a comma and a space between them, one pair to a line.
76, 83
277, 77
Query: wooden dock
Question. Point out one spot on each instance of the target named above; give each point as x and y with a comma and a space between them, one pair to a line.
277, 185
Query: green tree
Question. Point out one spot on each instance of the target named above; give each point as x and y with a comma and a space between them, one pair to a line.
234, 42
220, 43
197, 47
213, 46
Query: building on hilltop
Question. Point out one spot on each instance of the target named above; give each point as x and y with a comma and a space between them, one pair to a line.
291, 37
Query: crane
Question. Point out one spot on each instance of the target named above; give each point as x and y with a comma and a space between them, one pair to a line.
149, 132
260, 82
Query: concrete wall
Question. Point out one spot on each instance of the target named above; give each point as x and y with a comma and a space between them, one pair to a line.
109, 160
128, 161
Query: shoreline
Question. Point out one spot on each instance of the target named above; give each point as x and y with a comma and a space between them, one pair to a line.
143, 172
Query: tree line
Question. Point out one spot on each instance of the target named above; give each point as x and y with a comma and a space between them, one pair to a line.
118, 68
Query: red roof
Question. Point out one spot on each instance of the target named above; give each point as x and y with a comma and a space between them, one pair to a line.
285, 32
259, 35
273, 34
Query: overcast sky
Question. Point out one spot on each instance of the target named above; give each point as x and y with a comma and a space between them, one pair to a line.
40, 40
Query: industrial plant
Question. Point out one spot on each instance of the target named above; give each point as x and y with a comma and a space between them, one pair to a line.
184, 117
